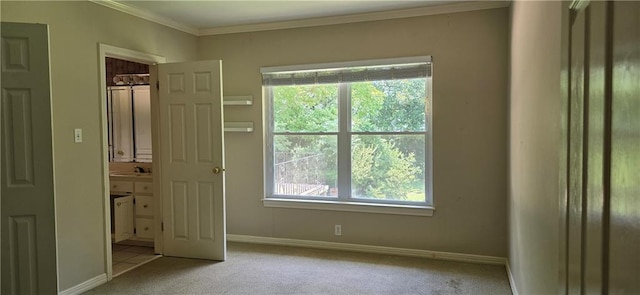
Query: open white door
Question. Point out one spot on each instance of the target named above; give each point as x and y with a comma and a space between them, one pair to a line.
192, 156
28, 208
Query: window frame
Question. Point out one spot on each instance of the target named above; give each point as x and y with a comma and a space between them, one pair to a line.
346, 201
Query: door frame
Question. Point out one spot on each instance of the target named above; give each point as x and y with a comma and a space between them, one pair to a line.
105, 51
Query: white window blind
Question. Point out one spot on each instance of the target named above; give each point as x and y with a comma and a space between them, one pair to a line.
335, 73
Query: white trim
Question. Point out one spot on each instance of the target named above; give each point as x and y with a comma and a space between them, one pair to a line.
86, 286
243, 100
238, 126
349, 206
105, 50
302, 23
369, 249
355, 18
348, 64
512, 281
131, 55
150, 16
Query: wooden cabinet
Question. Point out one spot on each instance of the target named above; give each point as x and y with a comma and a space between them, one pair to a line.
132, 214
129, 112
143, 209
122, 218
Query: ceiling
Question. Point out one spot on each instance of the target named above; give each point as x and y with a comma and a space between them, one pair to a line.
218, 17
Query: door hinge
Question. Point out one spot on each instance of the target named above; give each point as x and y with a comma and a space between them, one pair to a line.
134, 200
158, 85
161, 226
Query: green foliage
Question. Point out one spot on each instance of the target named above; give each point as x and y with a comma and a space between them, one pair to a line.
366, 104
306, 108
384, 167
390, 105
382, 171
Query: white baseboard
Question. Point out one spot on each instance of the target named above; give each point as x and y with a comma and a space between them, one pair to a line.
512, 281
86, 286
369, 249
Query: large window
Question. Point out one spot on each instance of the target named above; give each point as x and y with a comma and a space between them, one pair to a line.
354, 132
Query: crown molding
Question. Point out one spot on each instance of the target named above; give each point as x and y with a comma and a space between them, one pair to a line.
148, 16
354, 18
311, 22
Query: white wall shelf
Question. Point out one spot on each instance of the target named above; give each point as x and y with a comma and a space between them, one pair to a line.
245, 100
238, 126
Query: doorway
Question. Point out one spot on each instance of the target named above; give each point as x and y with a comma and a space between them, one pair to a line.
187, 160
132, 186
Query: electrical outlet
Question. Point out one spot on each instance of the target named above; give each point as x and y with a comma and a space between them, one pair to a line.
338, 230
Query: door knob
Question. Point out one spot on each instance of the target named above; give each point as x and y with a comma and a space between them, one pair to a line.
217, 170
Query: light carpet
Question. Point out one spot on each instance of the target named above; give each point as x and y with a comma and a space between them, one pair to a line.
265, 269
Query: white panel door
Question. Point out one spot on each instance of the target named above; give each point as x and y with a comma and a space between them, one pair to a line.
192, 156
28, 234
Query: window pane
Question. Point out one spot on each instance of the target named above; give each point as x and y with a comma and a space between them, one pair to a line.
388, 167
306, 165
389, 105
305, 108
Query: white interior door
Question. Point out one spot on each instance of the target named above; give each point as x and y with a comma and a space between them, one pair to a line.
27, 220
192, 156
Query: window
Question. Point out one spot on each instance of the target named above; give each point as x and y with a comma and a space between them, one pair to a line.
349, 133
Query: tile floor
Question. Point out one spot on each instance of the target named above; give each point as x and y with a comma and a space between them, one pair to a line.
125, 257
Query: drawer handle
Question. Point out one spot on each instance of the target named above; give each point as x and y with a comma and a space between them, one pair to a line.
146, 228
119, 204
145, 206
146, 187
114, 186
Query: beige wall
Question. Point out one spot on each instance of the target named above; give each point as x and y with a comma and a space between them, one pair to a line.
75, 29
470, 52
535, 146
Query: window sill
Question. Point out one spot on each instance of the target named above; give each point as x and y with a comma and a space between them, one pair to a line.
350, 207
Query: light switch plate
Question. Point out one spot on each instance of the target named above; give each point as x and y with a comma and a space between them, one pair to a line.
77, 135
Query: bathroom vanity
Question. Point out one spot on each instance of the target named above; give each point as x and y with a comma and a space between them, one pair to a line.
131, 206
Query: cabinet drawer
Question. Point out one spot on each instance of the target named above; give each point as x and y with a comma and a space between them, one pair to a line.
144, 205
144, 228
143, 187
121, 186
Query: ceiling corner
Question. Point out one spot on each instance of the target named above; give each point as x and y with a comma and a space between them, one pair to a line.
148, 16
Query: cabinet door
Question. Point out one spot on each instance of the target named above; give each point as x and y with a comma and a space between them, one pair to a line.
123, 218
142, 122
121, 124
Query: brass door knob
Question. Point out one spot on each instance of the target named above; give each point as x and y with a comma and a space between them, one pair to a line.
120, 152
217, 170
